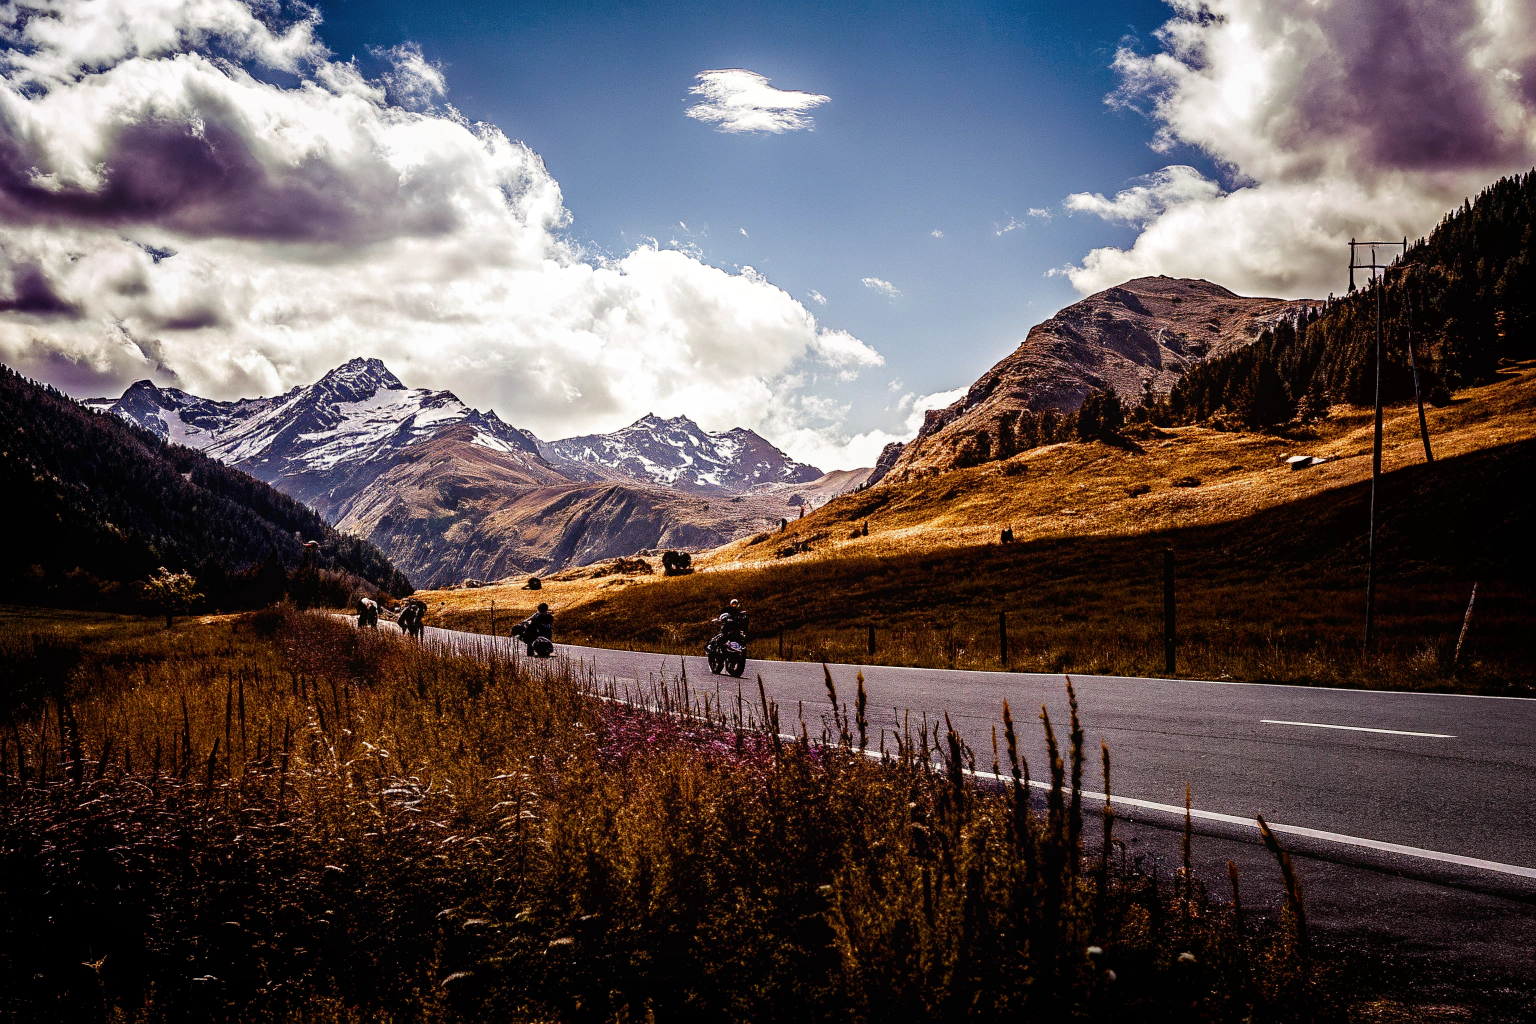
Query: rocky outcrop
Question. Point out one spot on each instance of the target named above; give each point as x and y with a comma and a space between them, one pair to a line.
887, 460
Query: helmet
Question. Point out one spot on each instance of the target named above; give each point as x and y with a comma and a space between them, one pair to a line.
543, 607
735, 603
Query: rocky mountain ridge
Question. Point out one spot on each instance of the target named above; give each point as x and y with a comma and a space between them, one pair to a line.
1139, 336
677, 452
321, 444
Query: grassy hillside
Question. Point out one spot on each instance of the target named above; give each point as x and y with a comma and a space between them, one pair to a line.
99, 504
1271, 562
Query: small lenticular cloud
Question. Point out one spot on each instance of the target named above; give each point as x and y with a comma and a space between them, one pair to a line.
736, 100
885, 288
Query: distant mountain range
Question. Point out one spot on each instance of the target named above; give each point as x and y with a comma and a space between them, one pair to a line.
321, 444
326, 442
677, 453
449, 491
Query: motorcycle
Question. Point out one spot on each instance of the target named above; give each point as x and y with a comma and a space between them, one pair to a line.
727, 651
540, 646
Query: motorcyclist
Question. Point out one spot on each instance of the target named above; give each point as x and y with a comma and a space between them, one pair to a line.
540, 623
367, 612
733, 621
411, 616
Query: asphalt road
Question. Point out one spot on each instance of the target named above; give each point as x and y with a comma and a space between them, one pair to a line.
1413, 815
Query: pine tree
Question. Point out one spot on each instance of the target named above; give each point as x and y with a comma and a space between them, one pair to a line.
1314, 403
1007, 436
1101, 415
1264, 401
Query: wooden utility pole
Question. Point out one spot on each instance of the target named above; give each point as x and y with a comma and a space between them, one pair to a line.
1418, 396
1169, 633
1370, 572
1378, 282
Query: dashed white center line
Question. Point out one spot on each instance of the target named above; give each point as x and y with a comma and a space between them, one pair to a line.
1359, 728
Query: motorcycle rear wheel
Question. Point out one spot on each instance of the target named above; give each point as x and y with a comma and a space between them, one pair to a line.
716, 663
736, 664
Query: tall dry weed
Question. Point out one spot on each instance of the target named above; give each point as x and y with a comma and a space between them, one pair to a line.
287, 819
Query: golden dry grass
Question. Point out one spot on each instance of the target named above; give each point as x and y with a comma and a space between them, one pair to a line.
281, 818
1084, 489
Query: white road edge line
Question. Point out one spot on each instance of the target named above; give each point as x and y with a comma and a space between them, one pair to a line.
1358, 728
1295, 830
1338, 838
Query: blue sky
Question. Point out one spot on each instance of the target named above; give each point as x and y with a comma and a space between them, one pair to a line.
235, 196
957, 118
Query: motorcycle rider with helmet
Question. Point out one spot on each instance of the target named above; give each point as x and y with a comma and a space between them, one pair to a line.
733, 621
540, 624
727, 649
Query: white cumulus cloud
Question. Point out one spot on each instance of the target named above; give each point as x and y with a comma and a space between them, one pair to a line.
1143, 203
885, 288
843, 351
1330, 119
736, 100
917, 406
167, 210
817, 297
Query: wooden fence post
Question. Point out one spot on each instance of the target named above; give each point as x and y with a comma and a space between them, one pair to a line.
1002, 639
871, 641
1466, 623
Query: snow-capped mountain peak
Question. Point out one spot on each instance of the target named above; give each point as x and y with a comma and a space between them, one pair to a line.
677, 452
359, 379
319, 443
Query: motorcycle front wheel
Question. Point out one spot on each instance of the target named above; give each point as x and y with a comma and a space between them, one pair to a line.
736, 664
716, 663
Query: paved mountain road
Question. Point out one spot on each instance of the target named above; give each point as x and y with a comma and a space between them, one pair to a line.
1355, 772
